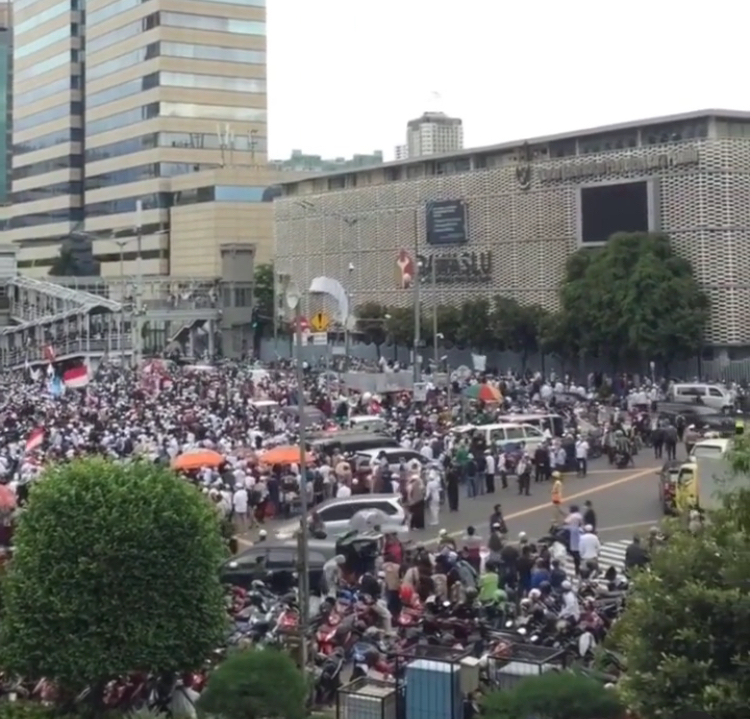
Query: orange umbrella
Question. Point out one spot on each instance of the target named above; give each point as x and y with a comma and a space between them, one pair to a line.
288, 454
196, 459
7, 499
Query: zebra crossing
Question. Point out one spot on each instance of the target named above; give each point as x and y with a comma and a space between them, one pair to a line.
612, 554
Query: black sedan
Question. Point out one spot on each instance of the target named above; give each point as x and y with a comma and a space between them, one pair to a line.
275, 563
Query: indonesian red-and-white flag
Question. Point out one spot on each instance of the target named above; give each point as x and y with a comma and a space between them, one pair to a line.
76, 378
35, 439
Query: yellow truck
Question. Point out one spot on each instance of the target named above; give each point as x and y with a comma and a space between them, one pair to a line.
706, 473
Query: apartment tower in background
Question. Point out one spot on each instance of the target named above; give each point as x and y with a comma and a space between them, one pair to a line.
402, 152
47, 161
434, 133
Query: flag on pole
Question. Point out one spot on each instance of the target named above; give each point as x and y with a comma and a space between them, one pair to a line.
76, 378
35, 439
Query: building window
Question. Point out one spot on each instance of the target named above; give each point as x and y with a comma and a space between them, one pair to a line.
212, 82
213, 52
238, 193
211, 23
212, 112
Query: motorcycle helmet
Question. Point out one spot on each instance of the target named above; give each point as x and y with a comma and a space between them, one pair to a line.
471, 594
566, 586
535, 595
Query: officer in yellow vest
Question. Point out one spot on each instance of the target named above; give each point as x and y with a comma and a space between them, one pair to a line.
557, 496
739, 426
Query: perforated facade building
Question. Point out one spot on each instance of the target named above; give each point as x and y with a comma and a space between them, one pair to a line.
509, 216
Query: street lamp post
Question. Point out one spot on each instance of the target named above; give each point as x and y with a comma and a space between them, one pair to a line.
435, 333
121, 321
294, 302
138, 305
417, 300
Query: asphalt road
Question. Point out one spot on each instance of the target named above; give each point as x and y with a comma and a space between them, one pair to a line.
625, 500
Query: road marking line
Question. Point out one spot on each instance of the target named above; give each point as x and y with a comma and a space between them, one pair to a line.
652, 522
548, 505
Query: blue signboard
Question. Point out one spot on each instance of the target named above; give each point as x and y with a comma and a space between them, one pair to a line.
446, 222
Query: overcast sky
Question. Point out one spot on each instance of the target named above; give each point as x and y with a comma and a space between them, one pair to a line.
345, 75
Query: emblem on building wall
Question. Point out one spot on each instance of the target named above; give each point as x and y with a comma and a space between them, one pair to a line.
523, 168
404, 270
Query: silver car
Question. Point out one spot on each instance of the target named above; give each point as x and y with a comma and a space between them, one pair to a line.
336, 513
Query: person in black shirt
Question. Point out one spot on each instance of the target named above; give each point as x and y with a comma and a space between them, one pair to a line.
589, 515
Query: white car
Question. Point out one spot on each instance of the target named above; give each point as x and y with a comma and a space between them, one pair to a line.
337, 513
394, 455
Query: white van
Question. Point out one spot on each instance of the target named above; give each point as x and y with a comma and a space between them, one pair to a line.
553, 422
368, 423
507, 433
715, 396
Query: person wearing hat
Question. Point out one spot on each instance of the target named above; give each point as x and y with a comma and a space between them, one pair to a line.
557, 496
445, 540
589, 547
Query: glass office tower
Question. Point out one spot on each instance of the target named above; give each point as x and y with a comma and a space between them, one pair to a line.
112, 104
172, 87
46, 189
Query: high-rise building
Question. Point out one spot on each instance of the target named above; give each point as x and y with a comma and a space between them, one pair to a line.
434, 133
402, 152
6, 101
172, 87
46, 189
167, 89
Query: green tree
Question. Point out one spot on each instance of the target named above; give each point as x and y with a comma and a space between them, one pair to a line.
554, 695
65, 264
686, 629
634, 299
265, 294
400, 326
475, 331
255, 684
114, 571
449, 323
371, 323
559, 335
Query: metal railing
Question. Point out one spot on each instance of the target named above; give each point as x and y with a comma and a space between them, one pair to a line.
115, 344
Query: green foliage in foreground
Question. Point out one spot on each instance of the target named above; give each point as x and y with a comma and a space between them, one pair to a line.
255, 684
115, 571
554, 695
686, 630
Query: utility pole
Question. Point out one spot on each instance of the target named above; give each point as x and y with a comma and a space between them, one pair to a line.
138, 305
294, 302
417, 300
435, 333
121, 322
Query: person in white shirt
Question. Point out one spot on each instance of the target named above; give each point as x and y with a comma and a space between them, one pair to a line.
432, 496
343, 492
571, 609
582, 456
240, 506
589, 547
489, 471
426, 452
